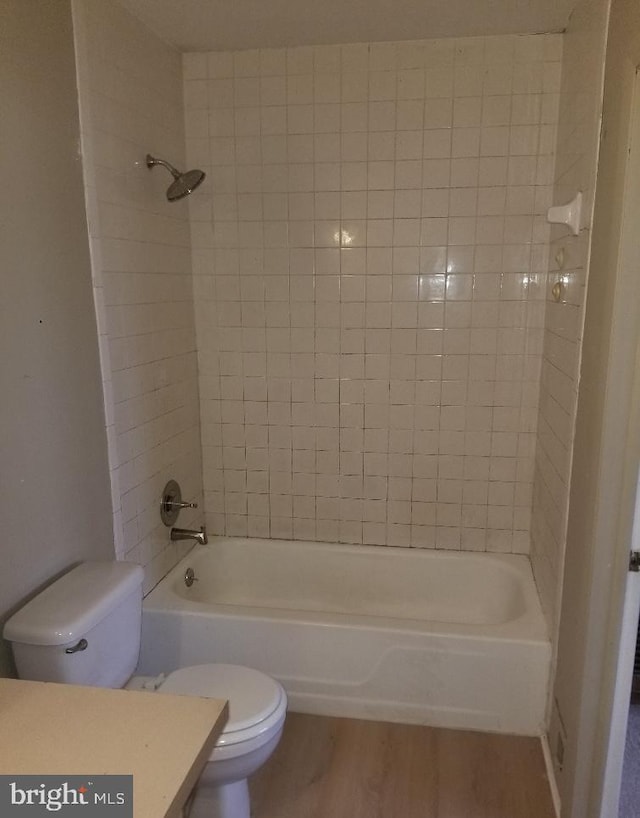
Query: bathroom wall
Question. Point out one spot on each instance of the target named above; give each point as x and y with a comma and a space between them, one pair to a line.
576, 165
54, 479
603, 484
576, 162
369, 258
130, 91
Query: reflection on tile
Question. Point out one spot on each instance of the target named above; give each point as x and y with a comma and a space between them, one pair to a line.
432, 287
458, 287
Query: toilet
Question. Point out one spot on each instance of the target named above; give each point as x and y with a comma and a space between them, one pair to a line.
85, 629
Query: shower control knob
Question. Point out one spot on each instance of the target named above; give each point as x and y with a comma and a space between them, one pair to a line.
172, 502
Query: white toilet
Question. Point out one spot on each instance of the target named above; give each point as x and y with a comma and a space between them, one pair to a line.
85, 629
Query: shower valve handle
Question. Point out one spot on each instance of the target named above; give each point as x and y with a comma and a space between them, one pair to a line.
172, 502
176, 504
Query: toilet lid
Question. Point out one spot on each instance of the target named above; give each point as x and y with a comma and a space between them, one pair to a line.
252, 696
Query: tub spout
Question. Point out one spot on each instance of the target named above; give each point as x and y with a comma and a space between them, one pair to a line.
188, 534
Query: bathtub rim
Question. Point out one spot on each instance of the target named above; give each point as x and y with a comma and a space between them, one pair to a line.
530, 626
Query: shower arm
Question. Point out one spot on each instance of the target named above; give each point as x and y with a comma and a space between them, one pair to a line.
151, 161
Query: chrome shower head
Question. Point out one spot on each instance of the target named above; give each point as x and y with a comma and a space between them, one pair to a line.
183, 183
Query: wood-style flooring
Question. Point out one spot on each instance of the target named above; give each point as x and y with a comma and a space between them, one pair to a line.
327, 767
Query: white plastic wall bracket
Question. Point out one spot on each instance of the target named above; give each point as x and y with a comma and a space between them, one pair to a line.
568, 214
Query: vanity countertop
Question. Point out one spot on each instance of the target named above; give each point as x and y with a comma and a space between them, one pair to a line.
162, 740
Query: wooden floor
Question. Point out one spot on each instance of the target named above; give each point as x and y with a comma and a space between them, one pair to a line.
342, 768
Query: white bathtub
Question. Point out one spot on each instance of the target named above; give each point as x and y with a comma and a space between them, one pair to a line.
450, 639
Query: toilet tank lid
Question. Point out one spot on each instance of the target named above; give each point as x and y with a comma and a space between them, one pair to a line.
74, 603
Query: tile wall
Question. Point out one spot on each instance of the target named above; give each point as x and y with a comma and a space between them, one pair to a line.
130, 91
576, 163
369, 255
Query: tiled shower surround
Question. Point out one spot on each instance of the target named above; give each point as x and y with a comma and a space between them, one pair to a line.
370, 255
575, 169
130, 93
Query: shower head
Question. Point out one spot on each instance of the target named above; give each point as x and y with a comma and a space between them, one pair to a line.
183, 183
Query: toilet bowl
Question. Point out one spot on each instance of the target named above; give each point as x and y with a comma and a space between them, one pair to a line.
257, 710
85, 629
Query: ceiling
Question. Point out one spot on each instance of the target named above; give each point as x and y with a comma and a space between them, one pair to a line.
217, 25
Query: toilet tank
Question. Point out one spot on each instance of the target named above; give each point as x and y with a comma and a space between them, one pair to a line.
82, 629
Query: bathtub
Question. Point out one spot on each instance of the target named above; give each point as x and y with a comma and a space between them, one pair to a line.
449, 639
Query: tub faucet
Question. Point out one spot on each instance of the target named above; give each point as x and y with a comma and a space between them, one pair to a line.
188, 534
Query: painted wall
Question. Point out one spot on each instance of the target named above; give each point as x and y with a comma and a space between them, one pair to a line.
576, 161
368, 259
54, 479
607, 441
131, 104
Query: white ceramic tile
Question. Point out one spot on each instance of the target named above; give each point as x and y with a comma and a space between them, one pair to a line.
381, 200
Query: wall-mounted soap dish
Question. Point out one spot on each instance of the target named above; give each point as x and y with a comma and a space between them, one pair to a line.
568, 214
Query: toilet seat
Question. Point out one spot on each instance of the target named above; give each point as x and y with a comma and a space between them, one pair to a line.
257, 703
